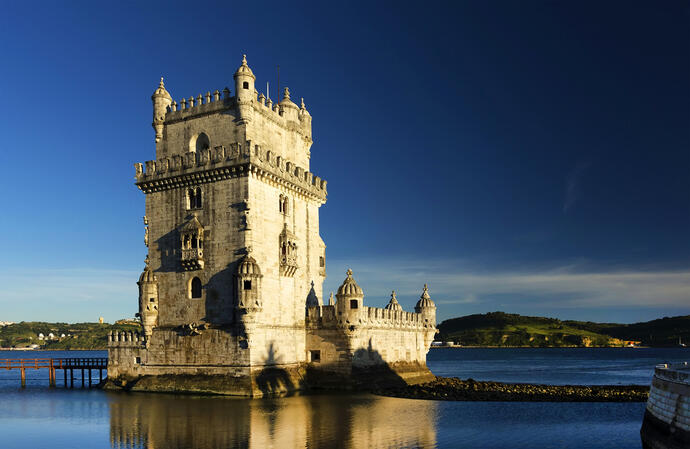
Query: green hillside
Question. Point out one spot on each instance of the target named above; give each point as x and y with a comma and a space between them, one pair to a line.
76, 336
504, 329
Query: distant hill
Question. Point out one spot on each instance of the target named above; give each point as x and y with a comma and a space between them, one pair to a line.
76, 336
506, 329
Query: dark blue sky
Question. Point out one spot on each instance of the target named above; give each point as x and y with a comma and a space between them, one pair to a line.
531, 157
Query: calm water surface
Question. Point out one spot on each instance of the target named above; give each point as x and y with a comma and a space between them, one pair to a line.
38, 417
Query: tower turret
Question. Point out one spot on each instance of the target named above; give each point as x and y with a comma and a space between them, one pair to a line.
245, 92
290, 110
248, 282
148, 300
161, 102
393, 304
426, 307
350, 301
305, 118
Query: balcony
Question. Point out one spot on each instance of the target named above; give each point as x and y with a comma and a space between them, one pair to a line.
193, 259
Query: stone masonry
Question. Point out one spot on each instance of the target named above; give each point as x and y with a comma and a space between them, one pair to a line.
231, 296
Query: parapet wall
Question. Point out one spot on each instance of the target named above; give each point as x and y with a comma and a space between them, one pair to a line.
371, 317
125, 339
212, 102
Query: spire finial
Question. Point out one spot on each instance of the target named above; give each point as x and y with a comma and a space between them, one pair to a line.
349, 272
425, 288
147, 261
312, 284
244, 59
331, 302
303, 107
161, 83
286, 93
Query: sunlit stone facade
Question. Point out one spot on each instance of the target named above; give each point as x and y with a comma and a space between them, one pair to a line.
231, 297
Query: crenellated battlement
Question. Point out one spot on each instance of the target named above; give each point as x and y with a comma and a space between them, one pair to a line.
218, 101
222, 163
125, 339
199, 105
370, 317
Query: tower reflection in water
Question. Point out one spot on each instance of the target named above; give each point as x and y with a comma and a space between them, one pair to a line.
326, 421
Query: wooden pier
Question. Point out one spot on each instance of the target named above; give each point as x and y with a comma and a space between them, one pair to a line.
86, 365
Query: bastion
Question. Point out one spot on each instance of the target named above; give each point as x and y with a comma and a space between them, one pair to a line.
231, 296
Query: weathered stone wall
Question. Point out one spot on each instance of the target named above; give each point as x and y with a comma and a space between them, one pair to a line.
221, 218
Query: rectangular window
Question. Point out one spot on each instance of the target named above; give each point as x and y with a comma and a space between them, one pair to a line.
247, 285
353, 304
152, 300
137, 360
315, 356
322, 262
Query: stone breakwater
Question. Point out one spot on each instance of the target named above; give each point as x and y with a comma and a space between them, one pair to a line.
454, 389
666, 422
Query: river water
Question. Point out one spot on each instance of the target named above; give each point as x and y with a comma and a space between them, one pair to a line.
39, 417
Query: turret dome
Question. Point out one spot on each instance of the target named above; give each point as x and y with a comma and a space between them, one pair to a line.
248, 267
349, 287
393, 304
286, 102
244, 69
425, 301
147, 275
161, 91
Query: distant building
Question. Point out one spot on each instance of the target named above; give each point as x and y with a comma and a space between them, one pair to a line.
233, 282
100, 320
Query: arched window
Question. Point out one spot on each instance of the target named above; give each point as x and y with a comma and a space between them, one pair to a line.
198, 197
245, 85
195, 288
199, 142
194, 198
283, 203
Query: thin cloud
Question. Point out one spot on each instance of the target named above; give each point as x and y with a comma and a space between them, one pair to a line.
566, 286
572, 185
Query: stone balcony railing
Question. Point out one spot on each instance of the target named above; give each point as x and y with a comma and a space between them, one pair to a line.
193, 258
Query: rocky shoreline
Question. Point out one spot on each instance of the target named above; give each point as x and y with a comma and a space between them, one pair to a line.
454, 389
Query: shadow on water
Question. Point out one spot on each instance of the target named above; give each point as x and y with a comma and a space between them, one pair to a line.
140, 420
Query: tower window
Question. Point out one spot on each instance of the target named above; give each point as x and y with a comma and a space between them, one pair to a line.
195, 288
322, 262
353, 304
283, 203
194, 198
247, 285
315, 356
199, 142
245, 85
152, 300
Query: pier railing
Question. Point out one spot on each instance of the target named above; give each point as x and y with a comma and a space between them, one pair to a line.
85, 364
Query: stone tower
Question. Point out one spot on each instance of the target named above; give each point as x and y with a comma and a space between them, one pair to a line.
235, 261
